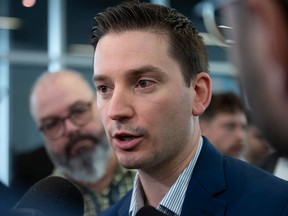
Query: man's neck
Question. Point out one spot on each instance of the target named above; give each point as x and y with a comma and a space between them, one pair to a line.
156, 184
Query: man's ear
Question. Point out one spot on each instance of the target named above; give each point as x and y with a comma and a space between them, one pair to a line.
202, 87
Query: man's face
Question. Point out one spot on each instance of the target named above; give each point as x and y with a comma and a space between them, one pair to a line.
260, 68
257, 144
81, 151
143, 101
227, 131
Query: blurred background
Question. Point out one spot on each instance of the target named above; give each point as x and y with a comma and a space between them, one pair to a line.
40, 35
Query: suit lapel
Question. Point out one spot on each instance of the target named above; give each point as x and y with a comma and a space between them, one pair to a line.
207, 181
124, 208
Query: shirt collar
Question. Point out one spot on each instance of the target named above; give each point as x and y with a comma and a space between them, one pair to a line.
168, 204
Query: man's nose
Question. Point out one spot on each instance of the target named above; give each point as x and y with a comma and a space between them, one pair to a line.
241, 133
120, 105
69, 126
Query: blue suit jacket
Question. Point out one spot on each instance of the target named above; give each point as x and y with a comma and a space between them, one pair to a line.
221, 185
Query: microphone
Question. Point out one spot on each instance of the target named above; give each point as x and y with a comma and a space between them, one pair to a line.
51, 196
149, 211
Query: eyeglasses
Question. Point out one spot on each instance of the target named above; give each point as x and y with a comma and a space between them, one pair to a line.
215, 22
79, 115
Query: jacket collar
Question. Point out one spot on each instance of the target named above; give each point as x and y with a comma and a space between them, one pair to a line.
207, 182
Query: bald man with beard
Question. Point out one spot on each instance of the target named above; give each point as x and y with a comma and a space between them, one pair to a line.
63, 107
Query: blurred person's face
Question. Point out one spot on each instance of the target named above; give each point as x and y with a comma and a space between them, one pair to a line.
260, 54
227, 132
257, 145
81, 151
145, 105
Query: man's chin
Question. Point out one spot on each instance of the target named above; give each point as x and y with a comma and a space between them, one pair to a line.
86, 170
84, 178
130, 164
86, 166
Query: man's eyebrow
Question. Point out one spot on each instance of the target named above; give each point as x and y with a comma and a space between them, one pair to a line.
97, 78
133, 72
42, 120
144, 69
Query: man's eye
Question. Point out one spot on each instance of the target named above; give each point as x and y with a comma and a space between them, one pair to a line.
102, 89
230, 127
51, 125
144, 83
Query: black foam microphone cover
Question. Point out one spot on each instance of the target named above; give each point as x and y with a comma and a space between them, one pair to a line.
149, 211
51, 196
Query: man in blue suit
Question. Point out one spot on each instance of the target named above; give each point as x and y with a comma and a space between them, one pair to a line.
150, 74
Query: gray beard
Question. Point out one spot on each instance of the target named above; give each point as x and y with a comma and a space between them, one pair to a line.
88, 167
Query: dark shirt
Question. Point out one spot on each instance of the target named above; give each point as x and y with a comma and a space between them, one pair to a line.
28, 169
6, 199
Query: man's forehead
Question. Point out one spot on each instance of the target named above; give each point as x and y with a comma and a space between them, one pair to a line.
58, 101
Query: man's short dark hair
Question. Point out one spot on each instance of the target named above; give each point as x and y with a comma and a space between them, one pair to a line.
227, 102
186, 45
